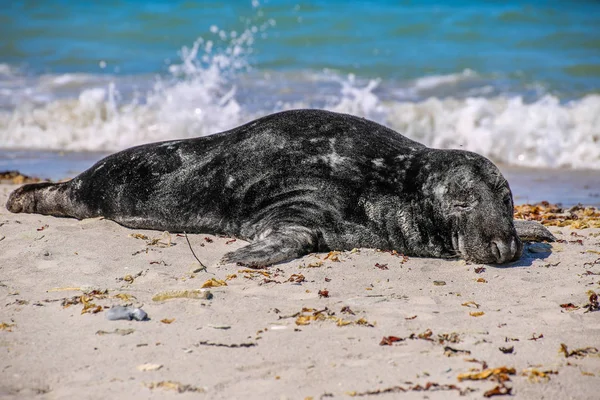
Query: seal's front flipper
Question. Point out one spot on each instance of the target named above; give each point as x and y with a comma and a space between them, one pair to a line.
532, 231
280, 244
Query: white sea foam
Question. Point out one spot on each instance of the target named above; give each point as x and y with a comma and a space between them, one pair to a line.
544, 133
201, 97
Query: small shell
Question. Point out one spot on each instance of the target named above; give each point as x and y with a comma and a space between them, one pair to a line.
128, 313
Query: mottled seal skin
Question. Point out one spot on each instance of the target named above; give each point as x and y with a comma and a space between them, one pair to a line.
297, 182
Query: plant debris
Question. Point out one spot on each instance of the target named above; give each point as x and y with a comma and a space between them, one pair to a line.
449, 338
470, 304
479, 270
499, 374
176, 386
389, 340
167, 321
251, 273
535, 338
569, 306
593, 304
347, 310
323, 293
553, 215
439, 283
308, 315
149, 367
87, 300
450, 352
4, 326
120, 332
507, 350
212, 282
333, 256
428, 387
130, 278
476, 313
17, 178
231, 346
577, 353
499, 390
535, 375
381, 266
296, 278
183, 294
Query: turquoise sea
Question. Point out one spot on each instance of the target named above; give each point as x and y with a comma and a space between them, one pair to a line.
516, 81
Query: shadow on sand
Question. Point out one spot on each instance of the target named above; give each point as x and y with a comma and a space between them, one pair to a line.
531, 251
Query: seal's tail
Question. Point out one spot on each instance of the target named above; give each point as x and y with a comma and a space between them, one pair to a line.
40, 198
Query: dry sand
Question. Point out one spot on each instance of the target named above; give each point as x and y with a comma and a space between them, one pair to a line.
56, 352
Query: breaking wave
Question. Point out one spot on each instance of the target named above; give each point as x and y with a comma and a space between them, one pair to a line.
214, 88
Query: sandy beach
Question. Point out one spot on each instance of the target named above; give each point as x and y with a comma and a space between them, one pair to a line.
355, 324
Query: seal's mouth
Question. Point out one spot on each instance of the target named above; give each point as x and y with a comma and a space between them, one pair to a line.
498, 251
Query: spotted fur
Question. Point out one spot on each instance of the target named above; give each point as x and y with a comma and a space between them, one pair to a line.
296, 182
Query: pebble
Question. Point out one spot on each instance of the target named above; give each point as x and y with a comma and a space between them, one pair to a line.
127, 313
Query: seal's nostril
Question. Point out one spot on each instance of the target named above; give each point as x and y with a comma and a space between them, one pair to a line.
504, 252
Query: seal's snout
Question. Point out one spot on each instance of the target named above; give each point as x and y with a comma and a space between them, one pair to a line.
506, 251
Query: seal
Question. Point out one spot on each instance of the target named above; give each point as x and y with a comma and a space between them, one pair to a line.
297, 182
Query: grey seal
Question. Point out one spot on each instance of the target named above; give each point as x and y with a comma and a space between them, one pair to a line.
297, 182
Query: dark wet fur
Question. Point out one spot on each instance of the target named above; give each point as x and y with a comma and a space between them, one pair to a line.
297, 182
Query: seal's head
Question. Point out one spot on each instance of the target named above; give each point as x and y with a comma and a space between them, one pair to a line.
474, 206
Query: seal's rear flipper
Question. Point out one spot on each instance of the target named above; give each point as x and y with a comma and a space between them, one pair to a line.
532, 231
41, 198
281, 244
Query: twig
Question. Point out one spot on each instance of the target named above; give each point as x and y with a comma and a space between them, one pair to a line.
194, 254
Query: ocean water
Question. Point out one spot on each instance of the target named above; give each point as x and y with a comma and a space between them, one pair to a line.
516, 81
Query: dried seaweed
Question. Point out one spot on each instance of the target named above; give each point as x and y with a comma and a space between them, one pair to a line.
213, 282
17, 178
120, 332
577, 353
499, 390
87, 300
333, 256
428, 387
450, 352
499, 374
535, 375
569, 306
552, 215
183, 294
149, 367
536, 338
390, 340
308, 315
296, 278
593, 304
231, 346
4, 326
469, 304
176, 386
